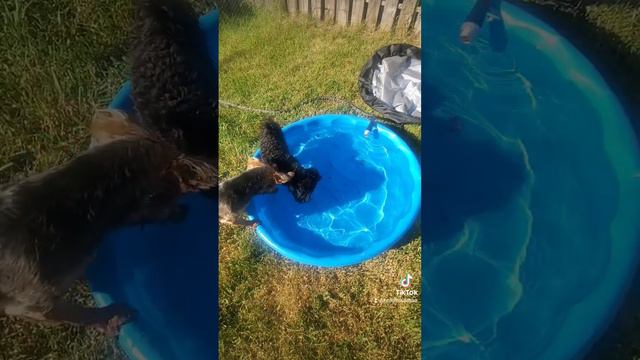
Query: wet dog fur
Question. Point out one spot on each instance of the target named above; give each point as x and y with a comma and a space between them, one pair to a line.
51, 223
235, 194
275, 153
174, 85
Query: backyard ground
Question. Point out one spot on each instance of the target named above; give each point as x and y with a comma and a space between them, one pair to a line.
271, 308
60, 59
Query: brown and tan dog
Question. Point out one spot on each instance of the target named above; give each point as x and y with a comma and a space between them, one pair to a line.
51, 223
235, 194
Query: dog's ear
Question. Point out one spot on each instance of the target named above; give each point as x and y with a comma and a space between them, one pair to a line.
282, 178
253, 163
110, 124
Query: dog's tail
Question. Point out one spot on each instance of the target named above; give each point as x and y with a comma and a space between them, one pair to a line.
269, 124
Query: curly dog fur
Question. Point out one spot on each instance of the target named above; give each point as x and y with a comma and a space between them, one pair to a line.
275, 153
174, 82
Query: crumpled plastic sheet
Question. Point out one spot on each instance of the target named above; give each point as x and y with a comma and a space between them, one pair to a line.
397, 82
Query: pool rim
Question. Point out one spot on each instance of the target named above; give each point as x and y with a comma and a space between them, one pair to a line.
398, 233
564, 343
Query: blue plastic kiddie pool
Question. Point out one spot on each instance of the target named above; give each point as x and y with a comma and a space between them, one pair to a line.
166, 272
367, 199
531, 206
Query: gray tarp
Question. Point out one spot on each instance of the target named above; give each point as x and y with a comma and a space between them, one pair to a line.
396, 81
390, 82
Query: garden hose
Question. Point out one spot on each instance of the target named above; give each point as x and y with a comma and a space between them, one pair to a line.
304, 102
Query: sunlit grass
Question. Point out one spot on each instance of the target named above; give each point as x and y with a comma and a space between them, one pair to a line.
621, 19
58, 61
271, 308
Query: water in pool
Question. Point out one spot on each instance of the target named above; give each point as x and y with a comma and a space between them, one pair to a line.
366, 199
349, 218
531, 203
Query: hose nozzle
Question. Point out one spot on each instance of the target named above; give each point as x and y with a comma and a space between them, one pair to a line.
373, 126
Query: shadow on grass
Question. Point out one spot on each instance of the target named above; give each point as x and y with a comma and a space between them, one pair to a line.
235, 56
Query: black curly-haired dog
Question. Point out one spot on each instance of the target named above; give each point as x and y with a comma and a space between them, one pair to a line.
275, 153
173, 78
51, 223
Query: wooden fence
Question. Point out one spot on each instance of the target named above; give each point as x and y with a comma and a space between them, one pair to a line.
386, 15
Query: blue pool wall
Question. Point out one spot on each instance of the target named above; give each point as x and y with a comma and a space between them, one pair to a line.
570, 342
168, 272
315, 251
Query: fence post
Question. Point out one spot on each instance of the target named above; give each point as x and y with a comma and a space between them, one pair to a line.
372, 13
406, 14
292, 6
388, 14
316, 9
330, 10
303, 6
357, 11
417, 27
342, 12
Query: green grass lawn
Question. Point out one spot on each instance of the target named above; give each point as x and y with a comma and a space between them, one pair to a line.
271, 308
59, 60
622, 19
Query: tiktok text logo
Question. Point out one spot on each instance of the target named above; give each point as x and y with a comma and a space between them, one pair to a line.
403, 295
406, 281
